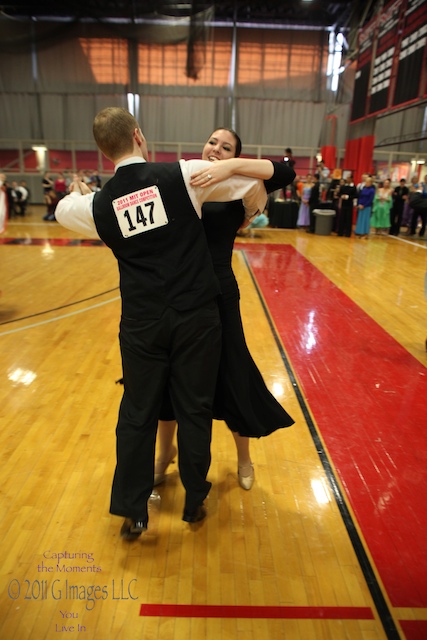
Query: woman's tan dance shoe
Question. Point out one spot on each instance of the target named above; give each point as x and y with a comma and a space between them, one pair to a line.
246, 476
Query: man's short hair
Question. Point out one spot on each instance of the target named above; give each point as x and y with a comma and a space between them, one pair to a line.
113, 130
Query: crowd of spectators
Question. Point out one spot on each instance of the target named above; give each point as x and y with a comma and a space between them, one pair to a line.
18, 197
54, 189
373, 206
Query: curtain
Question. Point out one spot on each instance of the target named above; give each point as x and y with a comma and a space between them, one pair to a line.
358, 156
278, 122
329, 156
19, 116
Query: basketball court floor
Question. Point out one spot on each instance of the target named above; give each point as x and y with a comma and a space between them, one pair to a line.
330, 542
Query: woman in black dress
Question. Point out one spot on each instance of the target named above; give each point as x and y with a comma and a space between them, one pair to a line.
242, 399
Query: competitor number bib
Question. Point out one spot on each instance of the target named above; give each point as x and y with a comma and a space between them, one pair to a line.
140, 211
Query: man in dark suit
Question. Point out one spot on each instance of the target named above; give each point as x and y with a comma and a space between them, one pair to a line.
148, 214
400, 196
313, 201
418, 202
347, 195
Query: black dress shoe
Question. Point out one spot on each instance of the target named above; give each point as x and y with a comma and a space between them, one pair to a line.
132, 529
196, 515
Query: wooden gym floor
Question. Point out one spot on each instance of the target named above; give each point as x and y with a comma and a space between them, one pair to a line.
330, 542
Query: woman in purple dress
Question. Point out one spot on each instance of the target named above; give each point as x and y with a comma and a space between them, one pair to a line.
304, 208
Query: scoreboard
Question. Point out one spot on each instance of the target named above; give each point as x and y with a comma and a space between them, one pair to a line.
391, 64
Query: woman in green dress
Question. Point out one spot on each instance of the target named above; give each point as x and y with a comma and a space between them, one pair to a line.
381, 207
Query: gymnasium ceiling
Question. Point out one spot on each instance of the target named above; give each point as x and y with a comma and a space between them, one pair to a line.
316, 14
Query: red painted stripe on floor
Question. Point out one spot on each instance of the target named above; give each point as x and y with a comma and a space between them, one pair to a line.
414, 629
54, 242
367, 396
229, 611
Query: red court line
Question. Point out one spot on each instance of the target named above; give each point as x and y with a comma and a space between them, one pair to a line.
54, 242
231, 611
414, 629
367, 396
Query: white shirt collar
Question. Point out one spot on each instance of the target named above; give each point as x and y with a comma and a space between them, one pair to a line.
131, 160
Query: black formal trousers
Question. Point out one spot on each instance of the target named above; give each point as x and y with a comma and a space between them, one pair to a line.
312, 225
179, 352
422, 213
313, 203
345, 221
396, 215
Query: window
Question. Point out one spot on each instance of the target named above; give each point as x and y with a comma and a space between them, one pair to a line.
336, 43
108, 59
165, 64
280, 56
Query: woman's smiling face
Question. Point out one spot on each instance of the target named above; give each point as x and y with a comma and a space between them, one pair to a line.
220, 146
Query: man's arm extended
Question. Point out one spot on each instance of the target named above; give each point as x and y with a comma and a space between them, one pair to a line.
74, 212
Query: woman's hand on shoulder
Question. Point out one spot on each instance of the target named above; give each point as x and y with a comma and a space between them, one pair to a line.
217, 172
78, 186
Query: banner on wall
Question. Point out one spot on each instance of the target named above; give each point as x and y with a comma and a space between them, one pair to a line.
363, 71
412, 53
387, 38
394, 173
